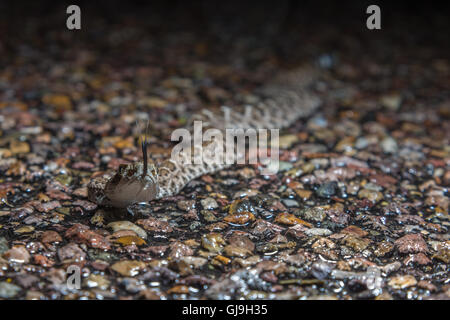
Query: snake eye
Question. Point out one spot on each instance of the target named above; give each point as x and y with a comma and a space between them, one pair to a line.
122, 167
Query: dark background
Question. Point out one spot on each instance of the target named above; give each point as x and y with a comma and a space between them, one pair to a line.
425, 20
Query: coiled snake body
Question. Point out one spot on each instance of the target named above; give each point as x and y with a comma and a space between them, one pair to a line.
284, 99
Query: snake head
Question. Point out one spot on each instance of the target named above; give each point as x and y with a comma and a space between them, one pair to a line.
133, 183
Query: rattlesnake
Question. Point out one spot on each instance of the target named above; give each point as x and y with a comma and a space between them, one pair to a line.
283, 100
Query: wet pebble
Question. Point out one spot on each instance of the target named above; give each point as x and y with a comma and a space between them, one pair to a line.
17, 254
402, 282
318, 232
371, 195
411, 243
290, 203
209, 203
327, 189
128, 268
127, 225
290, 219
8, 290
213, 242
316, 214
240, 218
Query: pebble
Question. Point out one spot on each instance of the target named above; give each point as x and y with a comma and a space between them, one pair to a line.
392, 102
241, 241
357, 244
316, 214
71, 253
26, 229
50, 236
127, 225
356, 231
371, 195
389, 145
128, 268
234, 251
303, 194
155, 225
240, 218
8, 290
3, 245
411, 243
209, 203
318, 232
213, 242
290, 203
17, 254
384, 248
284, 166
130, 240
286, 141
178, 249
290, 219
327, 190
97, 281
186, 205
402, 282
81, 233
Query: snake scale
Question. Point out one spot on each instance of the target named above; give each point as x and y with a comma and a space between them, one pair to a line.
282, 100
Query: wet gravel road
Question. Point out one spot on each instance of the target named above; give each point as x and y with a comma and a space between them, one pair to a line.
359, 209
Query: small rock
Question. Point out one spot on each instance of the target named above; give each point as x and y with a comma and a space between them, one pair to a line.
178, 249
241, 241
47, 206
212, 242
383, 248
128, 268
303, 194
71, 253
82, 233
130, 240
371, 195
97, 281
127, 225
194, 262
389, 145
284, 166
209, 203
316, 214
392, 101
327, 190
402, 282
155, 225
50, 237
318, 232
239, 218
233, 251
26, 229
286, 141
290, 203
17, 254
3, 245
8, 290
296, 259
418, 258
290, 219
411, 243
356, 243
356, 231
186, 205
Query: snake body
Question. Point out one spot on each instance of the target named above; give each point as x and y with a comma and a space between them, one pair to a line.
283, 100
